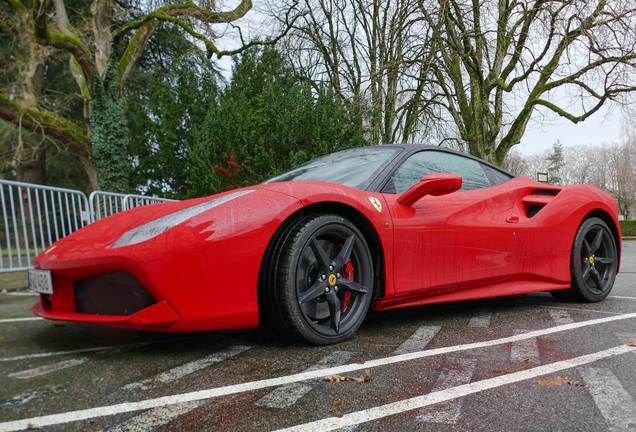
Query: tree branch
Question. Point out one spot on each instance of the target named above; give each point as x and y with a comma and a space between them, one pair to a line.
47, 123
186, 10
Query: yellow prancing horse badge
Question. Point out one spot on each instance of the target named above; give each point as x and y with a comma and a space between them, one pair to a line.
376, 203
332, 279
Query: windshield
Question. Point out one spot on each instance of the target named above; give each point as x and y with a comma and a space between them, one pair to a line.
348, 167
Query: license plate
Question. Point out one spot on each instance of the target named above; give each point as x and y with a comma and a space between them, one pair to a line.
40, 281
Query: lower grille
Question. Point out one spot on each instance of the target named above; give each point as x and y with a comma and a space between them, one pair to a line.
115, 293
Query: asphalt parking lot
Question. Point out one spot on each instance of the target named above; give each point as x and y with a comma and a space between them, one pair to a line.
520, 363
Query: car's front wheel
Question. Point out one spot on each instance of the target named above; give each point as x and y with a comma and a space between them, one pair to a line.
321, 286
593, 263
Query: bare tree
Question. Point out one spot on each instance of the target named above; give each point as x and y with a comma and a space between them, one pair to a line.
578, 164
615, 173
370, 52
497, 62
526, 165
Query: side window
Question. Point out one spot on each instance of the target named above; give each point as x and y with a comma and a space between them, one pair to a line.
427, 162
496, 177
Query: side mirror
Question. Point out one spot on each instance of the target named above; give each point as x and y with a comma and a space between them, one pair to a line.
433, 184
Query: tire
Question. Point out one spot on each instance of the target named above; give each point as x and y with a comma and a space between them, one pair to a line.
593, 263
319, 286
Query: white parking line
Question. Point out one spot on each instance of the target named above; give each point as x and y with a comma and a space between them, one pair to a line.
481, 319
575, 309
22, 294
287, 395
12, 320
525, 350
187, 368
155, 418
77, 351
85, 414
611, 398
418, 340
47, 369
383, 411
455, 372
560, 316
622, 297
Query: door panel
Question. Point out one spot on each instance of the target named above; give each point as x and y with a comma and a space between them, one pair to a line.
455, 241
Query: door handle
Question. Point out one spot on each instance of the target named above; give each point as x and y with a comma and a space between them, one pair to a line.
513, 218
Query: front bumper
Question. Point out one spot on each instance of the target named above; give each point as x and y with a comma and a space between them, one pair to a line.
156, 317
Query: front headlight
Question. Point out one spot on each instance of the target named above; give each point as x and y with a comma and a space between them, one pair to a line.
154, 228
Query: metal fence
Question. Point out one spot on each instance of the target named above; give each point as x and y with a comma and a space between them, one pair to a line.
35, 216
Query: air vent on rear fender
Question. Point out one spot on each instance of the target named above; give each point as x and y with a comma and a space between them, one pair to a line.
550, 192
537, 199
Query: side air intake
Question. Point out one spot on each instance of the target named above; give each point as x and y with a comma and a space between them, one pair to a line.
537, 199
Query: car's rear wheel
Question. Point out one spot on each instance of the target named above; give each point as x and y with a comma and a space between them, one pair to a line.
593, 263
321, 284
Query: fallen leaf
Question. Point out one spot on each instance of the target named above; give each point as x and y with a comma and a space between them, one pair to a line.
524, 361
232, 359
25, 375
337, 403
558, 381
336, 414
367, 377
32, 426
338, 378
551, 381
632, 343
357, 361
2, 337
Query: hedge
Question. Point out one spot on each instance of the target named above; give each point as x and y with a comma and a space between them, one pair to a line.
628, 227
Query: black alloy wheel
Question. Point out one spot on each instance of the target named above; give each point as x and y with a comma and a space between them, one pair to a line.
594, 261
323, 280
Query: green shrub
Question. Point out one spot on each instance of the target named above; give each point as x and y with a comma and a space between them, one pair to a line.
628, 227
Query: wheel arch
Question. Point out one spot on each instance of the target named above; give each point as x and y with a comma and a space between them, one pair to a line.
355, 216
605, 217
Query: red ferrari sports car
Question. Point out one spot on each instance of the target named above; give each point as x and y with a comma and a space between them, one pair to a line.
314, 249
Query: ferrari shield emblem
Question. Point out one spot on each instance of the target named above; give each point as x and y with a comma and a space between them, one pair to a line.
376, 203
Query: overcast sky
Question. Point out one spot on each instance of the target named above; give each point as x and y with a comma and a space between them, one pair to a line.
602, 127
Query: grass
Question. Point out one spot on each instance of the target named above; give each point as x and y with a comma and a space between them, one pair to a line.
23, 251
15, 280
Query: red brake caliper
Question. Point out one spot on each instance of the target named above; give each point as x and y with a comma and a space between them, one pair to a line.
345, 295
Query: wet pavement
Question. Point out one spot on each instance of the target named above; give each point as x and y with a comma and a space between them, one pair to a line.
519, 363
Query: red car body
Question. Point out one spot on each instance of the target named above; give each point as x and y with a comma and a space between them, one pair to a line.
203, 274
